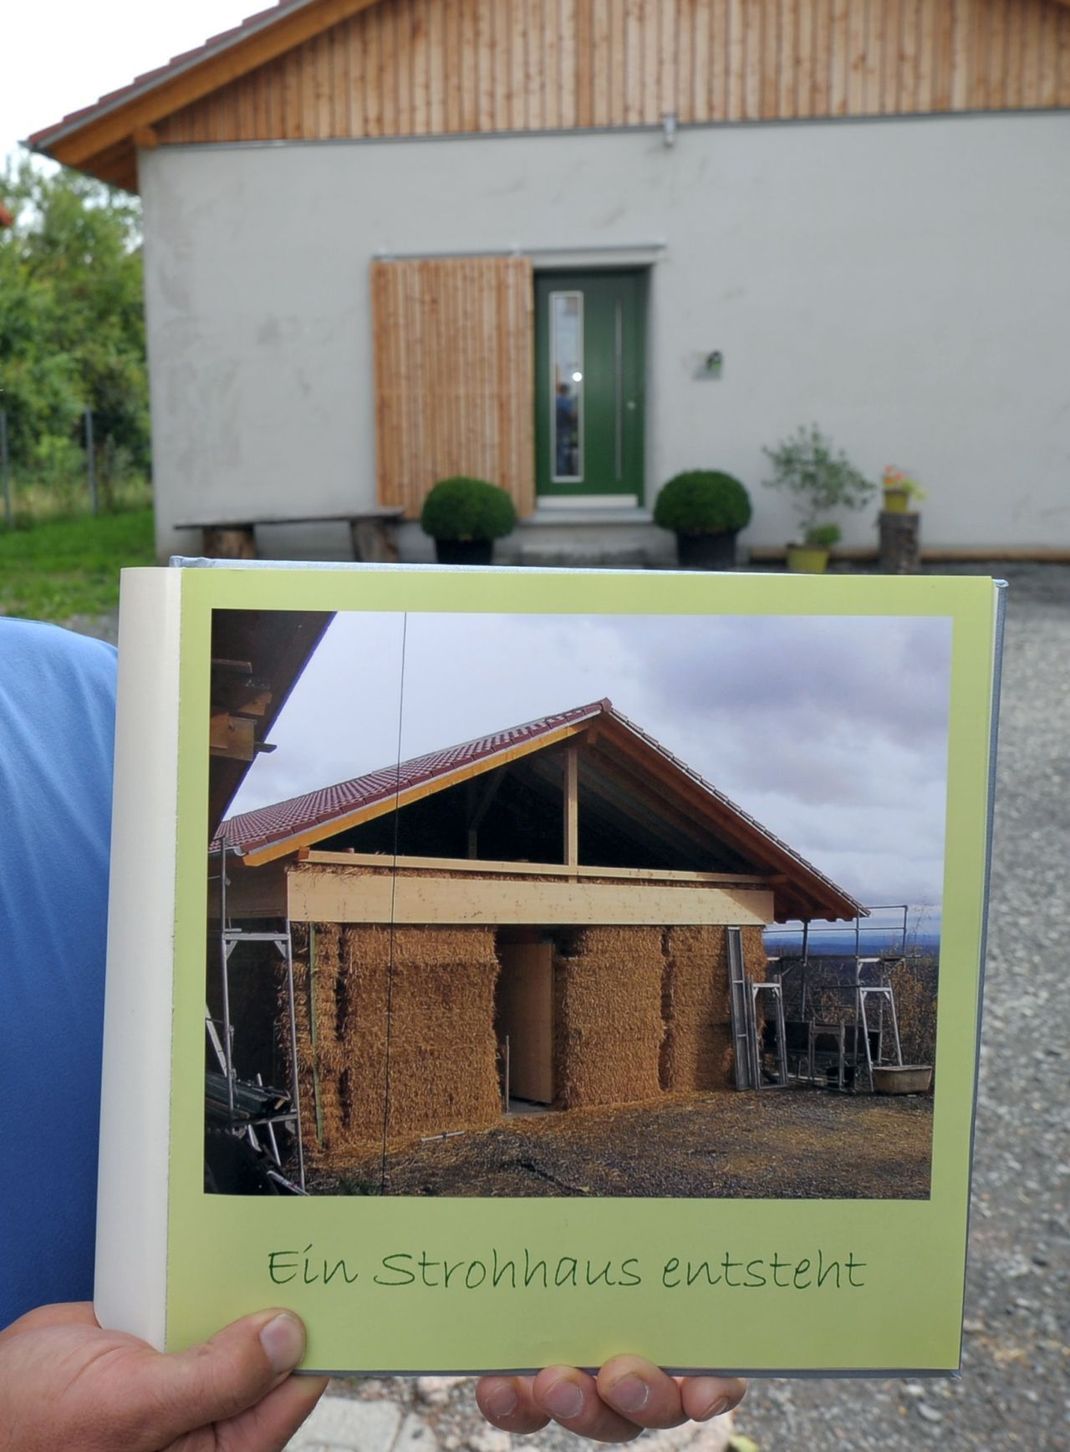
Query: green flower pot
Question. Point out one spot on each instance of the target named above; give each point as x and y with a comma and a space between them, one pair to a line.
807, 560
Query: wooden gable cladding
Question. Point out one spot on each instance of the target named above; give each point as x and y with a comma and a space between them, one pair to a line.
437, 67
454, 375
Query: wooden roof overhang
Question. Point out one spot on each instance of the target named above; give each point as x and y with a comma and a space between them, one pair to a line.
103, 138
297, 71
675, 798
628, 780
257, 658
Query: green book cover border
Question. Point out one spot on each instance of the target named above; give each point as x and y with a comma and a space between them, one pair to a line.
895, 1300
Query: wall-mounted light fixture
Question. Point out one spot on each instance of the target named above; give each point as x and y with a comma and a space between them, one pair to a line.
668, 128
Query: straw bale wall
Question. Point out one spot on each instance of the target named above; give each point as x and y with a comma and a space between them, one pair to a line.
607, 1019
638, 1011
697, 1052
435, 989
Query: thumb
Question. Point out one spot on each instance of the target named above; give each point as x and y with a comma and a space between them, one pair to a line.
222, 1377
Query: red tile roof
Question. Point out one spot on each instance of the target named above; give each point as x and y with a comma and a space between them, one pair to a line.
6, 219
267, 826
331, 807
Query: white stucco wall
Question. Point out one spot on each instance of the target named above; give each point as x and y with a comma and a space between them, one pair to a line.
902, 283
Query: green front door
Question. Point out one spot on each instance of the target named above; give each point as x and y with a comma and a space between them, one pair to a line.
589, 374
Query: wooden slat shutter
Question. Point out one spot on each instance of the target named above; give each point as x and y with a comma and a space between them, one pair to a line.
454, 376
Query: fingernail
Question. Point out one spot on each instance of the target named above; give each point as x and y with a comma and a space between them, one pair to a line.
283, 1340
630, 1394
502, 1401
564, 1400
715, 1409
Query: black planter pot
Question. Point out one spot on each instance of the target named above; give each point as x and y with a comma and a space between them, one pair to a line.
707, 551
464, 551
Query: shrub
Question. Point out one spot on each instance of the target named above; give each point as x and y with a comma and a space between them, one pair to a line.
818, 480
823, 536
702, 501
461, 508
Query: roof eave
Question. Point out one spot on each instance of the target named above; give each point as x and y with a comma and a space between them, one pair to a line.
49, 137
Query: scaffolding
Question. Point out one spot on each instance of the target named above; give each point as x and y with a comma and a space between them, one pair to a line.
844, 1028
248, 1109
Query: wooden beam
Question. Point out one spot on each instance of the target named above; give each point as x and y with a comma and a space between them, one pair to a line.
232, 736
253, 892
248, 697
145, 138
571, 772
330, 897
480, 798
244, 54
386, 861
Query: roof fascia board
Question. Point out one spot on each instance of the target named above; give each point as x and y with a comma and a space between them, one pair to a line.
207, 69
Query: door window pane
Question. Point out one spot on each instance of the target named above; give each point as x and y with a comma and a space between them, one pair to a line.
566, 386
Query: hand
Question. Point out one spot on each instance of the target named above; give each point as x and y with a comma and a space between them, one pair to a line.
65, 1382
628, 1395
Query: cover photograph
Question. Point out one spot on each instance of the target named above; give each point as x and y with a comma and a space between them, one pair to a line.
520, 967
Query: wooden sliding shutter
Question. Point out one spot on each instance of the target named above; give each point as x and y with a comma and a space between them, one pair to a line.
454, 382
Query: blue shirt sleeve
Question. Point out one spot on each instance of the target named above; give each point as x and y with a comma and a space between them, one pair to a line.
57, 711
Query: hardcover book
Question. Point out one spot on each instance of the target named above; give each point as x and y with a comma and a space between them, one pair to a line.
515, 967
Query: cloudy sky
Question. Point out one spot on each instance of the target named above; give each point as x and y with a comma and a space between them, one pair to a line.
830, 731
60, 57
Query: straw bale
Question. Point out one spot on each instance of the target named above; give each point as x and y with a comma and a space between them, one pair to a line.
697, 1007
698, 1052
579, 942
404, 1036
607, 1022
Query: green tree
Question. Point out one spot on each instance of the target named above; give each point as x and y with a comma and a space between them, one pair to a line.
72, 331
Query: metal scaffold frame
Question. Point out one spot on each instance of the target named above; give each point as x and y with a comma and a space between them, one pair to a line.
851, 1033
246, 1124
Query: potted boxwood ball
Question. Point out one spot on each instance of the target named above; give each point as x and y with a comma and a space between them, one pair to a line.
706, 509
464, 517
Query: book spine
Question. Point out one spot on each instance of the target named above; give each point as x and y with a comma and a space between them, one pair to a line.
130, 1291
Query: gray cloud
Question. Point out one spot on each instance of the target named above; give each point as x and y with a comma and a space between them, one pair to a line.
832, 731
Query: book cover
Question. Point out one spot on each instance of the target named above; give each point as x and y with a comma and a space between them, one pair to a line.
520, 967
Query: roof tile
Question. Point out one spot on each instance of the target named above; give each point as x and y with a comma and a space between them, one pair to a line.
268, 826
272, 826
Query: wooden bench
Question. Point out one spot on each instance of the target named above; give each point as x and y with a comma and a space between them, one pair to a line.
373, 532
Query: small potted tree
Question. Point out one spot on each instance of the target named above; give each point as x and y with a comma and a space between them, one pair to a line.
464, 517
706, 509
818, 481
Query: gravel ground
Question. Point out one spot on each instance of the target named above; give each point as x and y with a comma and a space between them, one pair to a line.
804, 1144
1015, 1388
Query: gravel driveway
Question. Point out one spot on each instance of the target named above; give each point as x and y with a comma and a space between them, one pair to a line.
1015, 1387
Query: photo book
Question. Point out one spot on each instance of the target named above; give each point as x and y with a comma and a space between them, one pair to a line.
519, 967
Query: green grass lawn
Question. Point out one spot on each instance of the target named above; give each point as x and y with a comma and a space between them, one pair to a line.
65, 567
